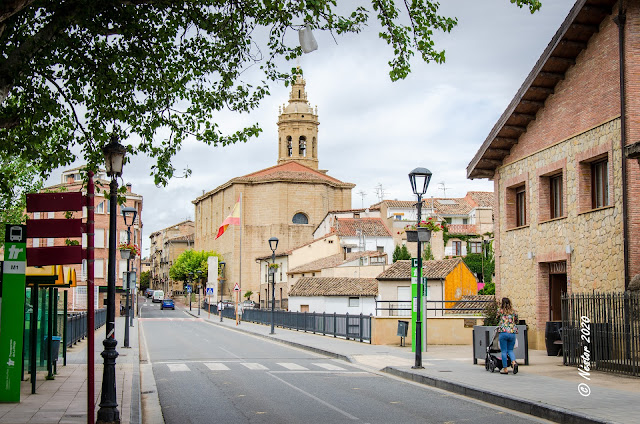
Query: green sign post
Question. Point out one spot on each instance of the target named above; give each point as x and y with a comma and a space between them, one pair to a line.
414, 306
12, 315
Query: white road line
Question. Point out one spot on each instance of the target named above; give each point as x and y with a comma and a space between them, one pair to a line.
317, 399
178, 367
291, 366
216, 366
254, 366
329, 367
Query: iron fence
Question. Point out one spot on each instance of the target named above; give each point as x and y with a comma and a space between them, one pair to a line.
601, 331
350, 327
77, 325
468, 305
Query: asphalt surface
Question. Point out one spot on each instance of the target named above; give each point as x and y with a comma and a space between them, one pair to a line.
207, 373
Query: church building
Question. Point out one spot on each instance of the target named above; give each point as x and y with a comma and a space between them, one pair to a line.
286, 201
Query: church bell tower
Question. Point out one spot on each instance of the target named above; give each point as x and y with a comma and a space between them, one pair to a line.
298, 128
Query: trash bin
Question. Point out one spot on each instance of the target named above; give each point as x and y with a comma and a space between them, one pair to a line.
403, 328
55, 347
551, 335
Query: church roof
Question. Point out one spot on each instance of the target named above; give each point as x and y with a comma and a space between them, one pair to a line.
288, 171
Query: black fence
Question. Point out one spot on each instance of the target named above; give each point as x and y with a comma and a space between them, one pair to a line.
77, 325
601, 331
350, 327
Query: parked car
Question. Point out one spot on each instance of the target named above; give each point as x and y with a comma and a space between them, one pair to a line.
167, 304
249, 304
148, 293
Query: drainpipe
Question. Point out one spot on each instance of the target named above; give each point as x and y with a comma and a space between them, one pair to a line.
620, 21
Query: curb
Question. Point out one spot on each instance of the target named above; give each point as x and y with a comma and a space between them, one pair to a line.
535, 409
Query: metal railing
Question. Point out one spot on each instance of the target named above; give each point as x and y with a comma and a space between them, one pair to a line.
350, 327
601, 331
77, 325
402, 308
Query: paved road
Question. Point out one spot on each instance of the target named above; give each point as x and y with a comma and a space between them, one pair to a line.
205, 373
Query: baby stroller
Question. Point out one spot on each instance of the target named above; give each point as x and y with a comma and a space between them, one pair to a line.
492, 362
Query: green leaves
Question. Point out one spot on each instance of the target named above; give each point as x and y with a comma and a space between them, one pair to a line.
191, 261
156, 72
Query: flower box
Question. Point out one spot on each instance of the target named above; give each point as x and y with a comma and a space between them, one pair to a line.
126, 254
419, 234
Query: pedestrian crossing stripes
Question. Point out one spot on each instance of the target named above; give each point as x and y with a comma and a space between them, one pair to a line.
254, 366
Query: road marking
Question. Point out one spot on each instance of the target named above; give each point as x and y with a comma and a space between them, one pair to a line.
317, 399
329, 367
254, 366
178, 367
170, 319
216, 366
293, 367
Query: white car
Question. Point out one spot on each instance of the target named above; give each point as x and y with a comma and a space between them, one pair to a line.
158, 296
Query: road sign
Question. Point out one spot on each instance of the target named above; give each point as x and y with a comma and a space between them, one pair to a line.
236, 287
188, 288
209, 291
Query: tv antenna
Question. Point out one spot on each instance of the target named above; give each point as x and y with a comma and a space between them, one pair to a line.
379, 192
443, 187
362, 194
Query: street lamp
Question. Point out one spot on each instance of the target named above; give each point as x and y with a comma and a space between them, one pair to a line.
222, 267
419, 179
199, 272
273, 245
129, 214
190, 286
108, 413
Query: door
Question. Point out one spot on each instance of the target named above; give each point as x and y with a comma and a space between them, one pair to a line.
557, 286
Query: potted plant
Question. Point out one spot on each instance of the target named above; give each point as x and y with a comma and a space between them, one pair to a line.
422, 230
128, 250
273, 268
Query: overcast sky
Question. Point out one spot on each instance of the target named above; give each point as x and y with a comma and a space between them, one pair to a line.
373, 132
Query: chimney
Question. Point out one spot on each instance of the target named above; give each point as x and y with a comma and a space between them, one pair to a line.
128, 187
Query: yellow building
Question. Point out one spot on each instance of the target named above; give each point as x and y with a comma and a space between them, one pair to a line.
286, 201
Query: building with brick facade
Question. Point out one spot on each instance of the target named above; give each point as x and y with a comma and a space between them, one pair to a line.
72, 181
165, 247
566, 191
286, 201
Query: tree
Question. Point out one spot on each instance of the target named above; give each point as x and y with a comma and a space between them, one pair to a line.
248, 294
427, 255
401, 253
21, 178
154, 72
191, 261
145, 278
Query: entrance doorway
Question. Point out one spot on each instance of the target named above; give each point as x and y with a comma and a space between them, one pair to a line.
557, 286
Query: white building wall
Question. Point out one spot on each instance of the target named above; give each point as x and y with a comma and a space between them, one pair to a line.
333, 304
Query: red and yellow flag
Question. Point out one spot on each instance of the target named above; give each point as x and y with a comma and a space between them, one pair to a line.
232, 219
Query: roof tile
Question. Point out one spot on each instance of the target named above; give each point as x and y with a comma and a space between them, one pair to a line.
335, 286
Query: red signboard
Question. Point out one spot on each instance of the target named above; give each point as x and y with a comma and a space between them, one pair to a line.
41, 256
47, 228
54, 202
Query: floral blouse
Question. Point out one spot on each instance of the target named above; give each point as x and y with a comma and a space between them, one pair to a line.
508, 322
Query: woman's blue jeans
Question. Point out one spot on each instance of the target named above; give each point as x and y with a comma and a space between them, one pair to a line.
507, 343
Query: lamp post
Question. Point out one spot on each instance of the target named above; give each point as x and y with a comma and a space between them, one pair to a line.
222, 267
190, 284
129, 214
273, 245
108, 413
419, 179
199, 272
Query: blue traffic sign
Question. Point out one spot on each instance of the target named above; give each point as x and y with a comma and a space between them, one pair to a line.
209, 291
188, 288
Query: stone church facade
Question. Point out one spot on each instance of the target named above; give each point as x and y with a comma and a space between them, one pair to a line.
286, 201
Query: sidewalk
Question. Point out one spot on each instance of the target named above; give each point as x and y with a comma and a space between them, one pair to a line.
64, 400
545, 388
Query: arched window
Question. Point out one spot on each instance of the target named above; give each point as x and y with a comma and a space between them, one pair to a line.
303, 146
300, 218
289, 147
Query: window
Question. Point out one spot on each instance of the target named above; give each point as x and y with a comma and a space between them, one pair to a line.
100, 207
289, 147
600, 184
465, 221
521, 208
354, 302
36, 215
36, 242
555, 196
457, 248
122, 268
50, 242
99, 238
302, 146
380, 249
476, 246
123, 236
448, 220
51, 215
98, 268
300, 218
397, 217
